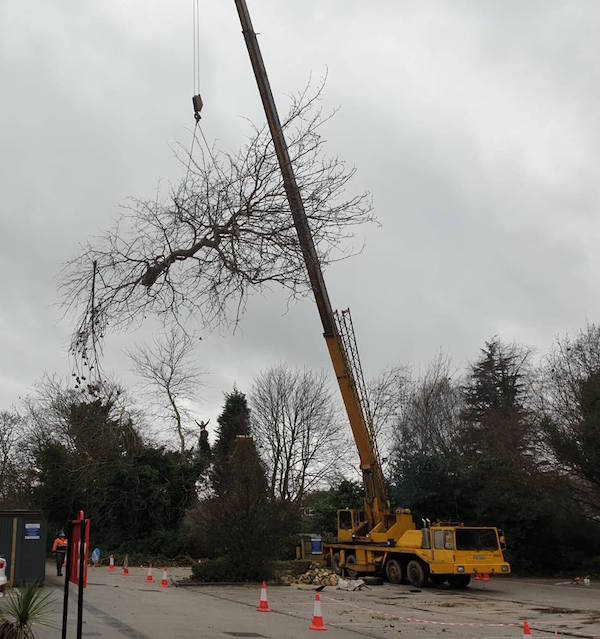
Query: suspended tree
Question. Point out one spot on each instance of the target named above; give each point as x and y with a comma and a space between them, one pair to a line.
225, 231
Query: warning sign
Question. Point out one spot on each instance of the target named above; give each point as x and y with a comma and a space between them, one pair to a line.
33, 531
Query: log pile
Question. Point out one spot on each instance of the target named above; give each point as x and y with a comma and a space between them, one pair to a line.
317, 576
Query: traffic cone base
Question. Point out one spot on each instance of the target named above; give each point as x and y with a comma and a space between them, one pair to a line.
164, 582
317, 620
263, 604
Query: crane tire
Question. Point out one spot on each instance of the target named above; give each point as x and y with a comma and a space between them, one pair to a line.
438, 580
372, 580
459, 581
393, 571
416, 573
350, 561
335, 564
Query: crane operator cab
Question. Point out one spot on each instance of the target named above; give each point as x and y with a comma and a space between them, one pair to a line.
352, 523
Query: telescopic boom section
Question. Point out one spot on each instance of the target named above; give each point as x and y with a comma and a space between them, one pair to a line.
345, 362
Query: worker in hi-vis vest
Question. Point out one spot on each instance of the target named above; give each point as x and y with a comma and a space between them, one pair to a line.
60, 548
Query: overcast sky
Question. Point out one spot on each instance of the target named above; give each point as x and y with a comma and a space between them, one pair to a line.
474, 125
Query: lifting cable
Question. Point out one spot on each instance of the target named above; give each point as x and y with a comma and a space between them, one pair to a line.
196, 99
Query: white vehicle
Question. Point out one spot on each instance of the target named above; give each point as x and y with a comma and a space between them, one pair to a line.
3, 579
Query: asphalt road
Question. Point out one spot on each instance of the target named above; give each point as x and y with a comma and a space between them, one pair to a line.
116, 606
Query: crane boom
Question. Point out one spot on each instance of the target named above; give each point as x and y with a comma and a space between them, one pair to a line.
337, 328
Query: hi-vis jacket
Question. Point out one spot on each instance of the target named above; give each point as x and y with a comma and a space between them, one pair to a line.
59, 545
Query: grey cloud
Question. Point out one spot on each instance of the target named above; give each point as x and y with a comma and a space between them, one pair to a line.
473, 124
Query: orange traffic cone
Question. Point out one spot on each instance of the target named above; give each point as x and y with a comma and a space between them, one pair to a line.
526, 630
263, 604
317, 620
164, 582
149, 575
111, 564
485, 577
125, 566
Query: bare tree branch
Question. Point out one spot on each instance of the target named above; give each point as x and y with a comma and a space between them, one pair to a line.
168, 365
431, 419
388, 396
226, 231
297, 430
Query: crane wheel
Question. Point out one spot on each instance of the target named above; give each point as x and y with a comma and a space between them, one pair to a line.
335, 564
438, 580
415, 571
393, 571
459, 581
350, 561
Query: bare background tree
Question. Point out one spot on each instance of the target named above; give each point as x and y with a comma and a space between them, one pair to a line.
13, 469
174, 379
297, 429
570, 412
388, 394
225, 231
52, 415
432, 416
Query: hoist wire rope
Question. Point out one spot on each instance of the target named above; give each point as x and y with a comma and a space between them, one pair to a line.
195, 36
195, 78
190, 158
196, 83
196, 44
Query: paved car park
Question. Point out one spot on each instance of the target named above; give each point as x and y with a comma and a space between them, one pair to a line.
117, 606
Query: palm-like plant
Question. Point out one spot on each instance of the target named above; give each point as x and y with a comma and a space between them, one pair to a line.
25, 608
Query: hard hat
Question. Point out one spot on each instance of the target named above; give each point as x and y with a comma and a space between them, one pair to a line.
3, 579
61, 533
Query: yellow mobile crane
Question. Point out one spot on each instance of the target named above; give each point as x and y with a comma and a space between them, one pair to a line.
372, 540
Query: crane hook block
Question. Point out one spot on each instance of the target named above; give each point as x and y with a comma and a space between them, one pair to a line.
198, 104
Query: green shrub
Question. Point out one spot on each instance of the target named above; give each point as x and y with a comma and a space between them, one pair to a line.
227, 569
26, 607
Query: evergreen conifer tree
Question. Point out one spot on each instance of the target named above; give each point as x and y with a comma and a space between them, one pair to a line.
233, 421
240, 526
